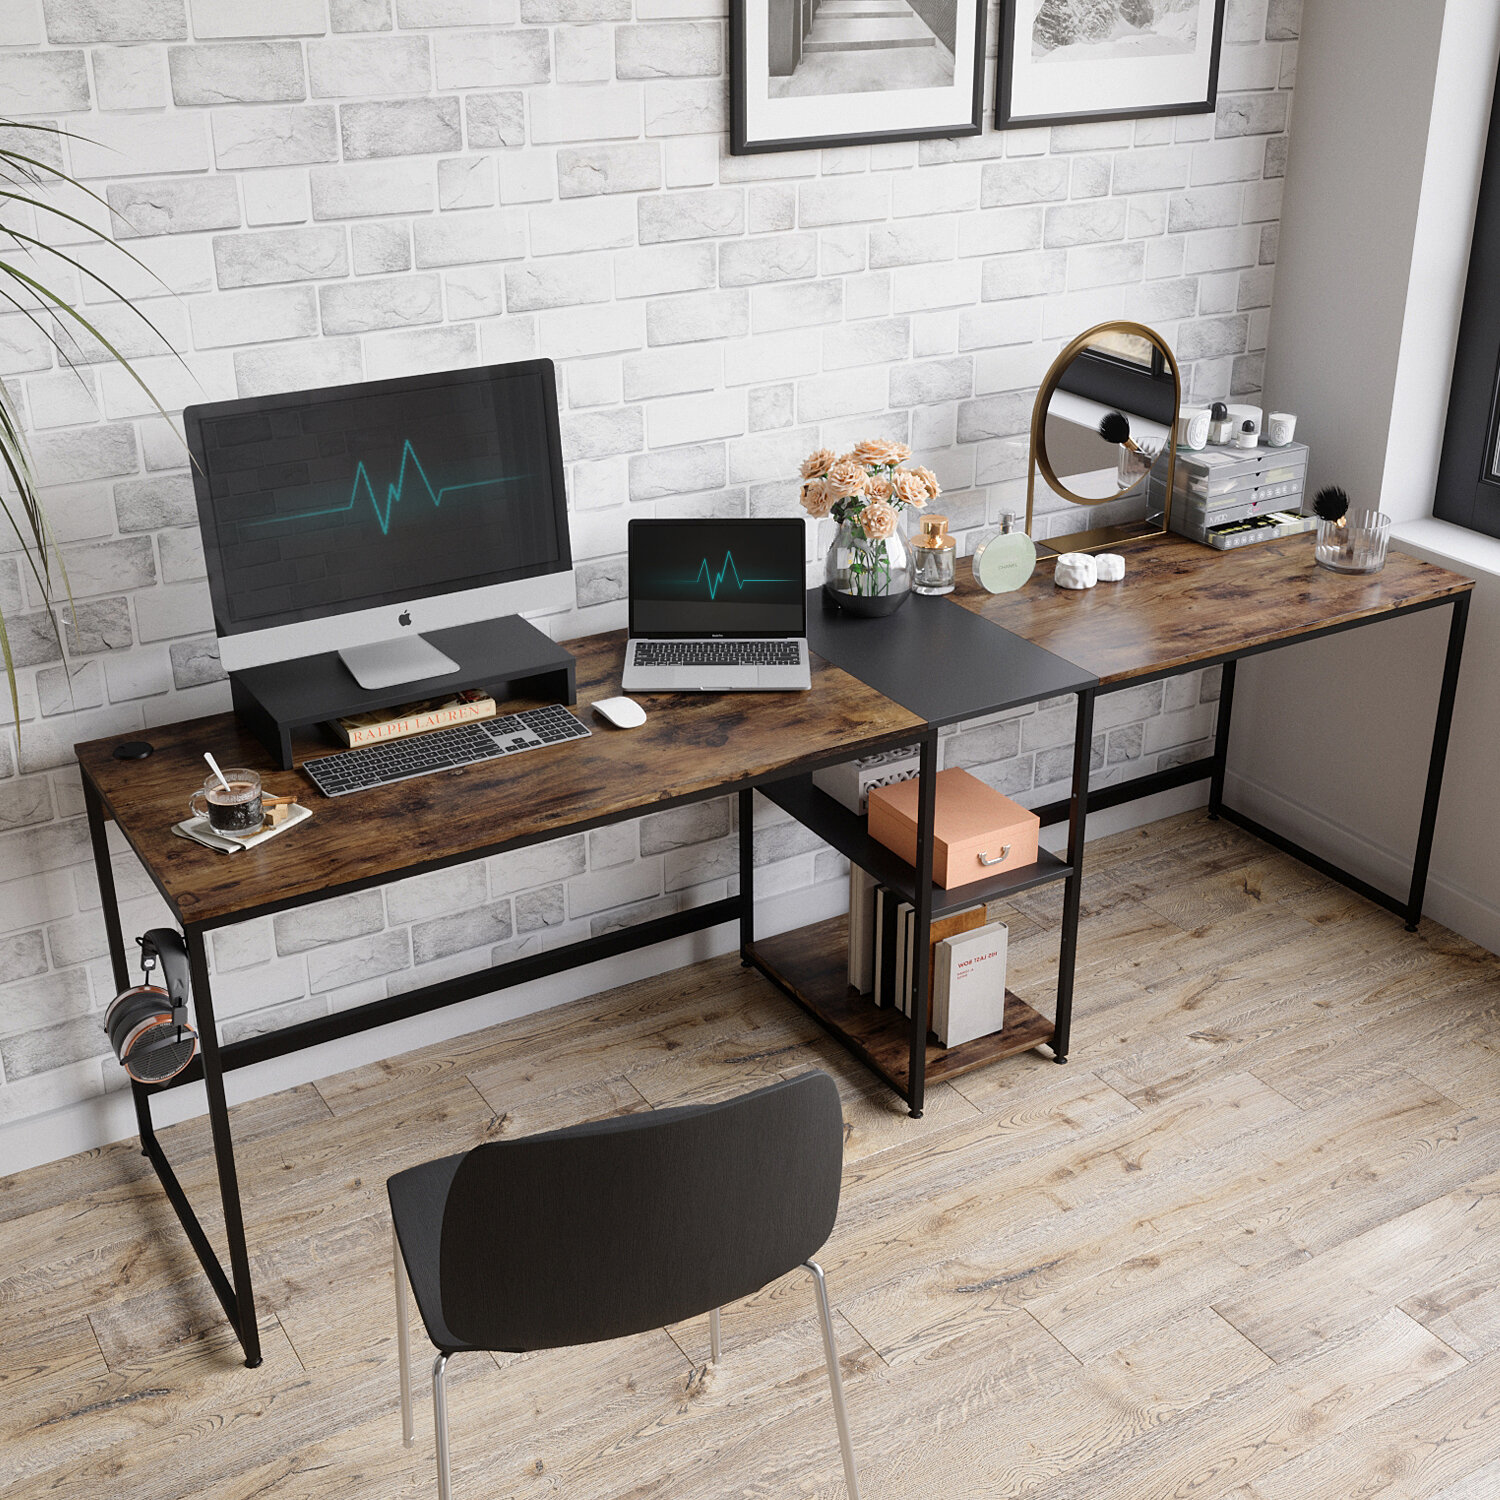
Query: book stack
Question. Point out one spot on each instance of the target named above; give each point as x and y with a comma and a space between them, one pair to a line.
413, 718
965, 969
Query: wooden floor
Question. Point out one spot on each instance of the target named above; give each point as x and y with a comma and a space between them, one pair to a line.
1245, 1245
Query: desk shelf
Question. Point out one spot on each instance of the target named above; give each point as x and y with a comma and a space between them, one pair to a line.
811, 965
848, 833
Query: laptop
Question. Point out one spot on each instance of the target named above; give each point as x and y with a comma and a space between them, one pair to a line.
717, 607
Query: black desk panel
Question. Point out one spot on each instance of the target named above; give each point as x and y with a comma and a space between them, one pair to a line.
939, 660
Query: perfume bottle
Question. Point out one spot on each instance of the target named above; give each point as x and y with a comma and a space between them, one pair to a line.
933, 556
1007, 559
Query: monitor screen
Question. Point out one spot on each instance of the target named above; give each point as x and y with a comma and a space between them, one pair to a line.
701, 578
322, 502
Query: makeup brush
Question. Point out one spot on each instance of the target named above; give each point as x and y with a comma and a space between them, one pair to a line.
1114, 427
1331, 504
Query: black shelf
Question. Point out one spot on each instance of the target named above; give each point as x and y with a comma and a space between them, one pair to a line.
847, 832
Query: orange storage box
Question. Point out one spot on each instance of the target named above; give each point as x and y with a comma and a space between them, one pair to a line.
977, 831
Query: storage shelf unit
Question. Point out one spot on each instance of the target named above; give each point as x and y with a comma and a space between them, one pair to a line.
811, 965
848, 833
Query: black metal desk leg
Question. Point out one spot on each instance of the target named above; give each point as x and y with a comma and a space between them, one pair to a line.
1221, 741
218, 1118
104, 872
1441, 726
916, 1079
747, 874
1078, 810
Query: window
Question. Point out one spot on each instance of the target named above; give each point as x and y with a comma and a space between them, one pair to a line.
1468, 484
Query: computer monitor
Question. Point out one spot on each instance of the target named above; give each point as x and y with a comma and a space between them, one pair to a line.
352, 518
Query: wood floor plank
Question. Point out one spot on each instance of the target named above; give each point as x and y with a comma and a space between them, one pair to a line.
1243, 1247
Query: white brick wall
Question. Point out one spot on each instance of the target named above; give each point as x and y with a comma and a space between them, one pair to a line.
346, 189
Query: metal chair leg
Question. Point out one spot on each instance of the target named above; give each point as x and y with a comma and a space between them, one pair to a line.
830, 1350
403, 1341
713, 1334
440, 1422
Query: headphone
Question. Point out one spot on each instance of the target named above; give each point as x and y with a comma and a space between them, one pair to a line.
146, 1024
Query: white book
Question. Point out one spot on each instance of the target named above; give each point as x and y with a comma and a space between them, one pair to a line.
878, 990
861, 930
908, 970
971, 997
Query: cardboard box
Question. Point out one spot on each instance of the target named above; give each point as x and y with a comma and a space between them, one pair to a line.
978, 832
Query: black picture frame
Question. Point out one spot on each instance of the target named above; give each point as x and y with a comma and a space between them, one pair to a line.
742, 144
1468, 483
1006, 119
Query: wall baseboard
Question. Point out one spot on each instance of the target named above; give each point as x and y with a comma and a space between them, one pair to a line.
1464, 912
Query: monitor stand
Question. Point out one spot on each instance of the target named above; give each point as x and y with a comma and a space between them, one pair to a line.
407, 658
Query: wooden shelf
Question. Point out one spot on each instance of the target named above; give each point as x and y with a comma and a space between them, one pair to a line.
811, 965
849, 834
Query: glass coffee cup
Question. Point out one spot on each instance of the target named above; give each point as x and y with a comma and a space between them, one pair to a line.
237, 810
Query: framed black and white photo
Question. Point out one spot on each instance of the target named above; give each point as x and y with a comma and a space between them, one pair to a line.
1062, 62
809, 73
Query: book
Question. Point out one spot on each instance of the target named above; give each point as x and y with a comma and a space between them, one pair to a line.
969, 996
946, 927
885, 946
901, 998
861, 930
384, 724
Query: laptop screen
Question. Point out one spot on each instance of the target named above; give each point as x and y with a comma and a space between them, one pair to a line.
729, 578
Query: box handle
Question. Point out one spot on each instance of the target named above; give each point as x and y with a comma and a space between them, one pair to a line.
998, 859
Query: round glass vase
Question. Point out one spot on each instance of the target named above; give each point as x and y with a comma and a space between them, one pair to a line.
1354, 544
867, 575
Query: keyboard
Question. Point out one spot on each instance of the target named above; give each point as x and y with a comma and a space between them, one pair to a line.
778, 653
443, 749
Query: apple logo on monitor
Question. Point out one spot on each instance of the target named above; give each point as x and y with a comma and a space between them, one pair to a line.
404, 618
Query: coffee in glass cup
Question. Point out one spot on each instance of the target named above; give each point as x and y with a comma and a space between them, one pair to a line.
235, 810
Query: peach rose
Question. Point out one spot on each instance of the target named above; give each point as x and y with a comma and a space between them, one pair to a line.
817, 497
881, 451
879, 520
934, 489
847, 478
879, 488
910, 488
817, 463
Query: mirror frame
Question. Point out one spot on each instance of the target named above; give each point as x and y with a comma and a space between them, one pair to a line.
1099, 538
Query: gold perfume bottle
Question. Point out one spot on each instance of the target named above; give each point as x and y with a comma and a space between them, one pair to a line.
933, 556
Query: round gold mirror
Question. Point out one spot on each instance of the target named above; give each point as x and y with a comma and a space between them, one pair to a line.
1102, 437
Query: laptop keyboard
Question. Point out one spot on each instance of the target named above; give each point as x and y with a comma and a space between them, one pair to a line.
442, 749
780, 653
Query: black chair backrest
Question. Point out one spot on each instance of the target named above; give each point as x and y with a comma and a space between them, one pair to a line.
631, 1223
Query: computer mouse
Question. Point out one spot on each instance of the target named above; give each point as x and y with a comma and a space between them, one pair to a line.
623, 713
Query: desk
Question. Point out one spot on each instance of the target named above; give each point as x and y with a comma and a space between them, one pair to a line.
876, 684
1183, 606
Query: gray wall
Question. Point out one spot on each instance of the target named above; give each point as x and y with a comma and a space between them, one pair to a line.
342, 189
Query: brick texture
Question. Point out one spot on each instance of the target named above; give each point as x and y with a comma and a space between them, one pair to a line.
348, 190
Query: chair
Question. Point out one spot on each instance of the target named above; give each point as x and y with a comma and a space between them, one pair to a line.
617, 1227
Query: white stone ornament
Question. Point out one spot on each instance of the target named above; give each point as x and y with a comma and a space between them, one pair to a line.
1111, 567
1075, 570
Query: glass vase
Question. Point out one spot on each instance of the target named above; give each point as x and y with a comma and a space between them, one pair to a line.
867, 575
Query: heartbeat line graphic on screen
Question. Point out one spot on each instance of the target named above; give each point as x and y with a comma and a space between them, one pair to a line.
393, 492
715, 581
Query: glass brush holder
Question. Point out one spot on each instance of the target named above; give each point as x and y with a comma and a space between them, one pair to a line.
1355, 543
934, 557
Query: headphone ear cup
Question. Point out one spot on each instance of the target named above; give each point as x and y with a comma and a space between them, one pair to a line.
143, 1036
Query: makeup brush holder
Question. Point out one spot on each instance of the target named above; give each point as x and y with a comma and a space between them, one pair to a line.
1355, 544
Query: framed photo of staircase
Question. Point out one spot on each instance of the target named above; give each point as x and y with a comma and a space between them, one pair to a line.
1063, 62
814, 73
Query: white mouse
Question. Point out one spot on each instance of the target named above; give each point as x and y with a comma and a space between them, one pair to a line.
623, 713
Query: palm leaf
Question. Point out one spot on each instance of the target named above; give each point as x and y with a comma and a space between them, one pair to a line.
49, 313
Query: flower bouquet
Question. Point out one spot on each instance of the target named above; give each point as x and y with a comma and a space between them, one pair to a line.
868, 570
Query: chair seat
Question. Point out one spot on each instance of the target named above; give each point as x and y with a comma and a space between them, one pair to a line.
417, 1199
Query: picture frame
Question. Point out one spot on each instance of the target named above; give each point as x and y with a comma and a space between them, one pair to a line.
876, 70
1162, 60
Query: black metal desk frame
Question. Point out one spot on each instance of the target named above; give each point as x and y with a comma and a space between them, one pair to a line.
234, 1289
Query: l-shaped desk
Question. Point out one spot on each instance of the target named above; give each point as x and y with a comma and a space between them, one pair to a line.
877, 684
